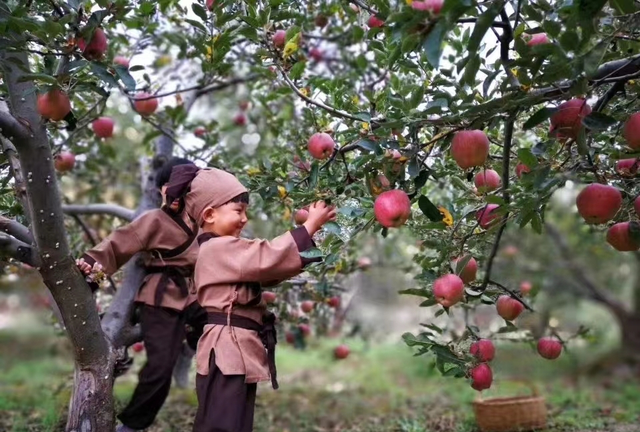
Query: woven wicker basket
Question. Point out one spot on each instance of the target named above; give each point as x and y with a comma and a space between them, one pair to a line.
511, 414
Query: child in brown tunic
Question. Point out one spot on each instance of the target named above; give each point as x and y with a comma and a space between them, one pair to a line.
166, 299
236, 350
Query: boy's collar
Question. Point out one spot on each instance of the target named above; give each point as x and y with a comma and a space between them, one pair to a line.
206, 237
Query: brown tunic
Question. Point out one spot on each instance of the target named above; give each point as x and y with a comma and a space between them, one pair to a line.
228, 276
152, 231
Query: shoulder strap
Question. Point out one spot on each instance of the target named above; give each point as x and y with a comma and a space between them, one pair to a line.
191, 233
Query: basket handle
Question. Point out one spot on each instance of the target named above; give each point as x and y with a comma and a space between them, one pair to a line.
528, 383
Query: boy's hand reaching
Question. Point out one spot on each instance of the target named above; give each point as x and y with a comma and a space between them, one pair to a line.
319, 214
93, 274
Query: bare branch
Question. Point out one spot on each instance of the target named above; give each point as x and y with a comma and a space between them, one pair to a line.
512, 293
16, 229
108, 209
13, 248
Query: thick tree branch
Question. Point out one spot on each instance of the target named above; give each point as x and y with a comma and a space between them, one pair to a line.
606, 98
108, 209
18, 180
16, 229
580, 273
11, 128
13, 248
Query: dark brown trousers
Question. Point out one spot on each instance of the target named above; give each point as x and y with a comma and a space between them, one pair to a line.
163, 332
225, 402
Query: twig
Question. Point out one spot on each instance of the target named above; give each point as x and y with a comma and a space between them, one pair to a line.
498, 24
108, 209
16, 229
512, 294
12, 128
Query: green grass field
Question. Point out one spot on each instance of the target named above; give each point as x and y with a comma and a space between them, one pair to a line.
378, 388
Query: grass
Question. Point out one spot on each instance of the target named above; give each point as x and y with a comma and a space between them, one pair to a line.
378, 388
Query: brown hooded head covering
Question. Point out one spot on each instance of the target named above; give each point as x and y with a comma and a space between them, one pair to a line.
202, 188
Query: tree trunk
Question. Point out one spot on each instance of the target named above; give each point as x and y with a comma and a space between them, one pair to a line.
630, 337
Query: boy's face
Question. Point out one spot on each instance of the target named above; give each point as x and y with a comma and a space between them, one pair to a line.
175, 205
226, 220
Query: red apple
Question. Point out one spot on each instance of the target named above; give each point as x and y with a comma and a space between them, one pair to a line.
279, 38
244, 105
305, 329
469, 271
392, 208
137, 347
508, 307
448, 290
631, 131
488, 216
341, 352
147, 106
307, 306
628, 167
522, 169
95, 49
549, 348
525, 288
434, 6
334, 302
481, 376
300, 216
538, 39
321, 145
364, 263
636, 205
470, 148
354, 7
566, 122
240, 119
374, 22
199, 131
54, 105
121, 60
511, 251
210, 4
316, 54
103, 127
268, 296
598, 203
483, 350
64, 161
619, 237
487, 180
290, 337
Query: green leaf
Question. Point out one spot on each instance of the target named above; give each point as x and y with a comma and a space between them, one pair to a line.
313, 175
413, 169
101, 72
539, 116
460, 265
471, 71
417, 95
593, 58
421, 179
38, 77
433, 327
333, 228
482, 25
421, 292
125, 77
623, 6
199, 10
432, 45
311, 253
364, 116
598, 121
527, 157
136, 68
569, 40
536, 222
367, 144
297, 70
581, 141
429, 209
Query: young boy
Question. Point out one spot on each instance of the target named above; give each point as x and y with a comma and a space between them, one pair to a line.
166, 299
236, 350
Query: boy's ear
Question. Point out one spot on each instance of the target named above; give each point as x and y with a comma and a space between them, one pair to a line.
209, 215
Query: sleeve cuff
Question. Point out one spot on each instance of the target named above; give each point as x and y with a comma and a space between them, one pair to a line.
88, 259
304, 242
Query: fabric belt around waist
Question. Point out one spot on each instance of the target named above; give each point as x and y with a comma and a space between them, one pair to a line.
266, 331
177, 274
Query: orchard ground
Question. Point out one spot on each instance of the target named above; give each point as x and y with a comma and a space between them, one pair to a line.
379, 387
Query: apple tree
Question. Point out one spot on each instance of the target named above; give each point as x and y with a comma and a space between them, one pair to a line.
451, 119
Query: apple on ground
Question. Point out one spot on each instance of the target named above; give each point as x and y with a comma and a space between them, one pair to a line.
341, 352
448, 290
392, 208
